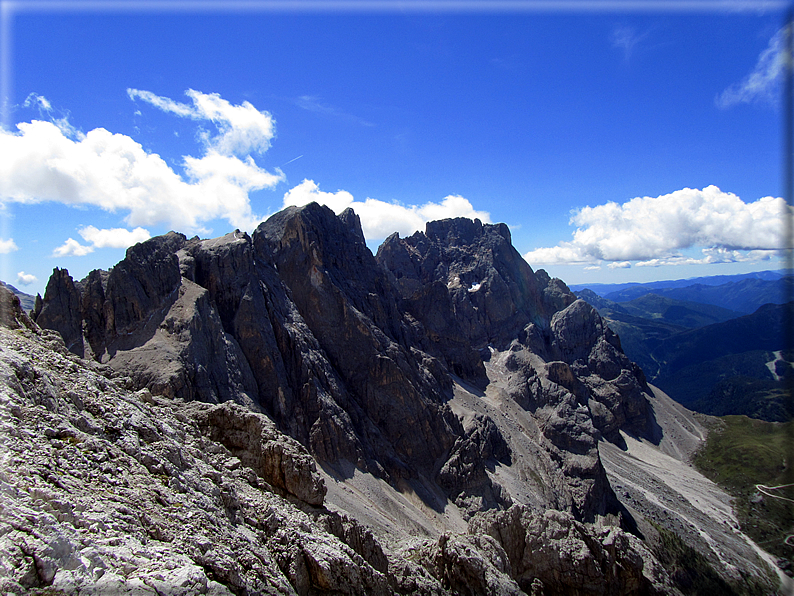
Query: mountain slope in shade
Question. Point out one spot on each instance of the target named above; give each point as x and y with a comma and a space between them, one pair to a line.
678, 312
735, 367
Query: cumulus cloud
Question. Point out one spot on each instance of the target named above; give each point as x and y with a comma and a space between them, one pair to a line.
114, 237
72, 248
43, 162
653, 230
620, 265
25, 279
7, 246
96, 238
762, 84
379, 218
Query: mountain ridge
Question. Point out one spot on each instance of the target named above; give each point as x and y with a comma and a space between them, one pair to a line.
443, 383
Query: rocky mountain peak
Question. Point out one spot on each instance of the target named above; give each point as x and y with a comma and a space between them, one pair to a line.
349, 353
463, 231
495, 293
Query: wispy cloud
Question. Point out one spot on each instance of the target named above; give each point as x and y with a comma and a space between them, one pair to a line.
763, 83
47, 112
379, 218
626, 38
41, 162
654, 230
314, 104
242, 129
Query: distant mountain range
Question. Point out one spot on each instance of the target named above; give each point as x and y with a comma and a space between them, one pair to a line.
697, 342
711, 280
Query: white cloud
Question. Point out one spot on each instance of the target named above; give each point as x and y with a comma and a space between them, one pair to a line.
114, 237
96, 238
45, 109
712, 255
653, 230
7, 246
26, 279
41, 163
619, 265
72, 248
241, 129
379, 218
762, 84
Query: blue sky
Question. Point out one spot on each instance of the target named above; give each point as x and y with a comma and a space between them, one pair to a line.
619, 143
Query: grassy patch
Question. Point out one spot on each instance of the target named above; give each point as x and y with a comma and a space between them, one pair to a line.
742, 453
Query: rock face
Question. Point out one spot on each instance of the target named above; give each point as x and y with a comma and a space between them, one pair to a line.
202, 379
564, 365
552, 553
298, 320
111, 490
494, 292
350, 307
60, 310
106, 490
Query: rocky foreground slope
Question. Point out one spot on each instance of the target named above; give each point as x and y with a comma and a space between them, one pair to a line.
287, 413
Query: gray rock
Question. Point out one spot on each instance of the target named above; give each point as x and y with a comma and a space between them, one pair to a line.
106, 491
553, 550
254, 440
495, 293
60, 310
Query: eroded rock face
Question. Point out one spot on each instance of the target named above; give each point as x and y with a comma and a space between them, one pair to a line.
11, 313
60, 310
297, 320
552, 553
111, 491
565, 365
199, 354
351, 308
254, 440
613, 386
494, 292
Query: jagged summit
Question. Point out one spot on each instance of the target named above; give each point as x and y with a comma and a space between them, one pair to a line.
435, 384
495, 293
355, 355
